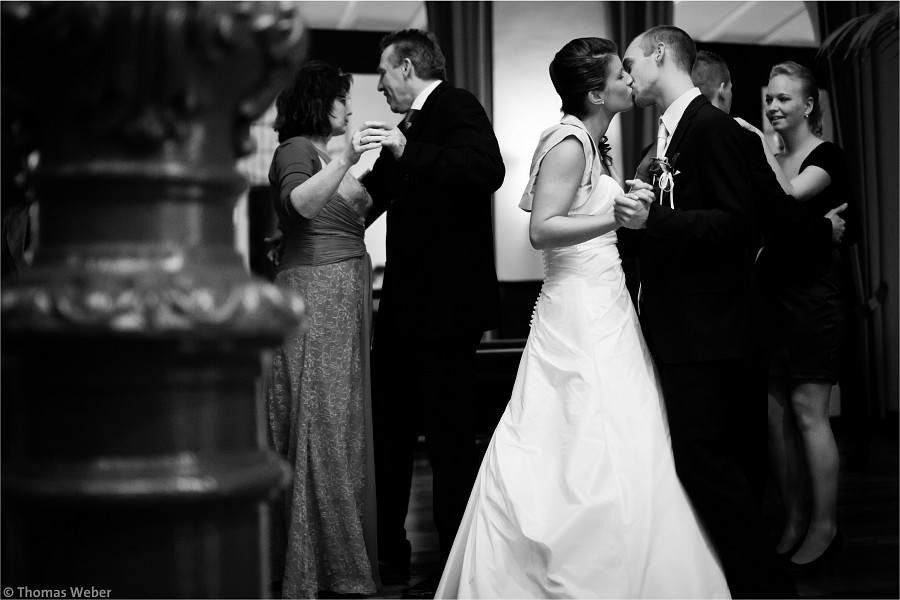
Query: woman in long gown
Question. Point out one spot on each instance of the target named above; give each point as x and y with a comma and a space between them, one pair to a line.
317, 393
577, 495
806, 311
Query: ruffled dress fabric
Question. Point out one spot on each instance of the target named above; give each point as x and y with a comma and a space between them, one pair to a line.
577, 496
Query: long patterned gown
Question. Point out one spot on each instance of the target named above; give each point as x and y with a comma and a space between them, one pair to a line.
317, 396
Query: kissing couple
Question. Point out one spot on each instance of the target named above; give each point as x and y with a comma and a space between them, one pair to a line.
620, 466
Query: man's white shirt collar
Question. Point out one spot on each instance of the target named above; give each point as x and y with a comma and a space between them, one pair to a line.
419, 102
673, 114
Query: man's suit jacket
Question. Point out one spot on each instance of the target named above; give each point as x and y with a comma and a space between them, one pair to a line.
696, 259
440, 277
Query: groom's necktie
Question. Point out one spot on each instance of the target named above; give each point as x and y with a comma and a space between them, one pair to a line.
643, 169
662, 136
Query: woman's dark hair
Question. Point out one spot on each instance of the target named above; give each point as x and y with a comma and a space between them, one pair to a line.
304, 105
422, 50
808, 88
579, 67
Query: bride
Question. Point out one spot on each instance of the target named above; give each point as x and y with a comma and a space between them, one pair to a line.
577, 495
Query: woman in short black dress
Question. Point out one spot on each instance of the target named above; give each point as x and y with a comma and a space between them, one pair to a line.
806, 312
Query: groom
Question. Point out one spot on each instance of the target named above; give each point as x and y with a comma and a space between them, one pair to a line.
697, 302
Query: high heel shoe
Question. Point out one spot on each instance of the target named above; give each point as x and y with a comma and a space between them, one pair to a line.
785, 557
827, 559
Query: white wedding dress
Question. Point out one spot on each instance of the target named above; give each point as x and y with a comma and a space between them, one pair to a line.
577, 496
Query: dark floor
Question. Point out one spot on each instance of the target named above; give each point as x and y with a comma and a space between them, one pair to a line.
868, 514
419, 529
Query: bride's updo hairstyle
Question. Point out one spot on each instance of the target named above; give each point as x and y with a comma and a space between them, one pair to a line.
808, 88
581, 66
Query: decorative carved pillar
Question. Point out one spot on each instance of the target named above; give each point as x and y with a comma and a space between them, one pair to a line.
135, 455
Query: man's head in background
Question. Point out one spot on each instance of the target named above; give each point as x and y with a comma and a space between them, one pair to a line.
710, 74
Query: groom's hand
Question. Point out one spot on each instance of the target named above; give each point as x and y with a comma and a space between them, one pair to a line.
631, 209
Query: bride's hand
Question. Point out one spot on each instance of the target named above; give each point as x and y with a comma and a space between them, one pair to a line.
637, 185
646, 196
632, 209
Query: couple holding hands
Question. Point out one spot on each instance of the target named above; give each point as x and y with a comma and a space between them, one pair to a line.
438, 297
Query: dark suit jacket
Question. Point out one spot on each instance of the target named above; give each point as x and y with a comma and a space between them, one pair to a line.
696, 259
440, 277
775, 213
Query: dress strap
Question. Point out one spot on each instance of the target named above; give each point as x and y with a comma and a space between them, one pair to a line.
323, 155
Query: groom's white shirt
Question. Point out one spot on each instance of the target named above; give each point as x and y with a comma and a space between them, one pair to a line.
673, 114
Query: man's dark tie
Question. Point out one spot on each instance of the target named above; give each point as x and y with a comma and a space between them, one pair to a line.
408, 119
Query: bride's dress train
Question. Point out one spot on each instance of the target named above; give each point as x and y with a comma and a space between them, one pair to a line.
577, 495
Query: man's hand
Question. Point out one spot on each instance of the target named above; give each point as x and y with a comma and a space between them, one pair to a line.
387, 135
359, 144
632, 209
838, 224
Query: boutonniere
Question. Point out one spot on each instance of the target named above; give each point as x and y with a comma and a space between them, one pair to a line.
664, 174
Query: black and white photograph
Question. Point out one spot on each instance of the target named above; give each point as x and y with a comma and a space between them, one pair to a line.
455, 299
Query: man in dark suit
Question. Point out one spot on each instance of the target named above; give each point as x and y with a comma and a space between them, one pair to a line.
435, 176
697, 301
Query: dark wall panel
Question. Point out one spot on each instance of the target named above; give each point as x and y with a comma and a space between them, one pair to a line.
351, 51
